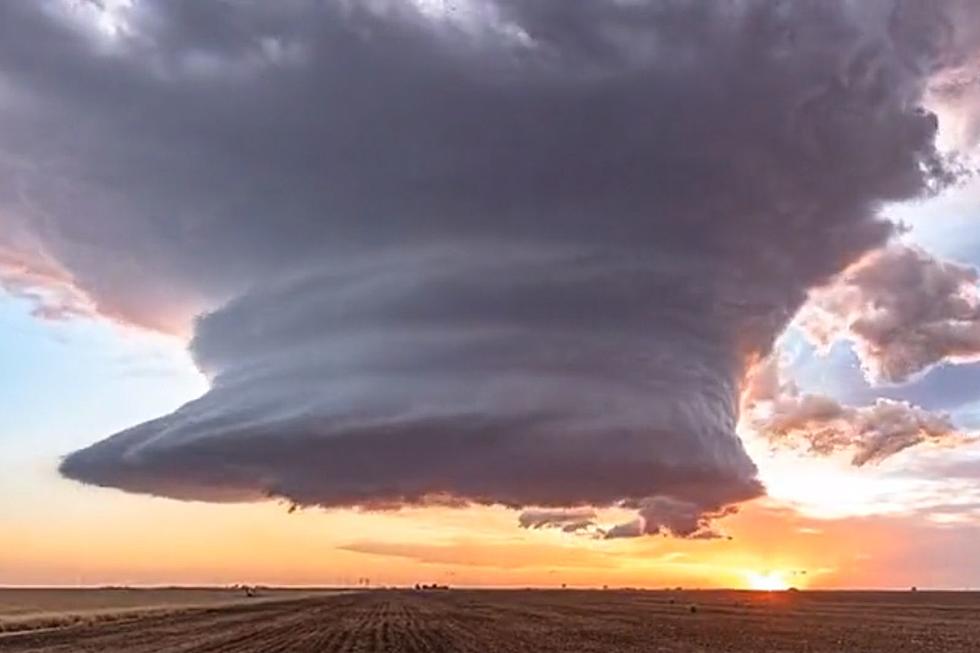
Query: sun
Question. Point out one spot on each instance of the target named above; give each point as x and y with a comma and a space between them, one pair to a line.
768, 581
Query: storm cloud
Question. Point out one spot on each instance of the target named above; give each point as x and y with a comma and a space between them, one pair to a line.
501, 252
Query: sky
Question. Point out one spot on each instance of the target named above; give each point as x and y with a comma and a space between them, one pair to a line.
632, 293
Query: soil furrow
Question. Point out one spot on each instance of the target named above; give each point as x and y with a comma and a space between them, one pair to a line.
538, 622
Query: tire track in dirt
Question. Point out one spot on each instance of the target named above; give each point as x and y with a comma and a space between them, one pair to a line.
422, 631
261, 631
419, 635
325, 628
263, 636
351, 633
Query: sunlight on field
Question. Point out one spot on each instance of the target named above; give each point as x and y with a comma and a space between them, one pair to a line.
29, 609
29, 601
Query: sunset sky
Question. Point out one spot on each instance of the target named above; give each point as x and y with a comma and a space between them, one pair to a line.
488, 292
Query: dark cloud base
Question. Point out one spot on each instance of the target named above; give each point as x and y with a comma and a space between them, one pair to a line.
520, 378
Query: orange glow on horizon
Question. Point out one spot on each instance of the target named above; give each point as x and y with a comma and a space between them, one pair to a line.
767, 581
127, 539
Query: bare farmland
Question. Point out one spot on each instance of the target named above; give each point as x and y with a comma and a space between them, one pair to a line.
539, 621
41, 608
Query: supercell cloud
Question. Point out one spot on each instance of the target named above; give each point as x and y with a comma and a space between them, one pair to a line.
500, 252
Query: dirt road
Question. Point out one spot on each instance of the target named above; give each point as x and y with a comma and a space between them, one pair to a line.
430, 622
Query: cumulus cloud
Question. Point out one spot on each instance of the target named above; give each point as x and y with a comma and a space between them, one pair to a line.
874, 432
904, 311
786, 417
517, 253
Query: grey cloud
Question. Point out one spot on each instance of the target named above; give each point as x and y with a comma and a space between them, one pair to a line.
630, 529
681, 518
224, 180
657, 515
520, 254
670, 516
904, 310
500, 376
570, 520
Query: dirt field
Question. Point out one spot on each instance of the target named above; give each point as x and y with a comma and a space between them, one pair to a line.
472, 621
29, 609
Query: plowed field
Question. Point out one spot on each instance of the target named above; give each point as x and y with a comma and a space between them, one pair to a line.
539, 621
